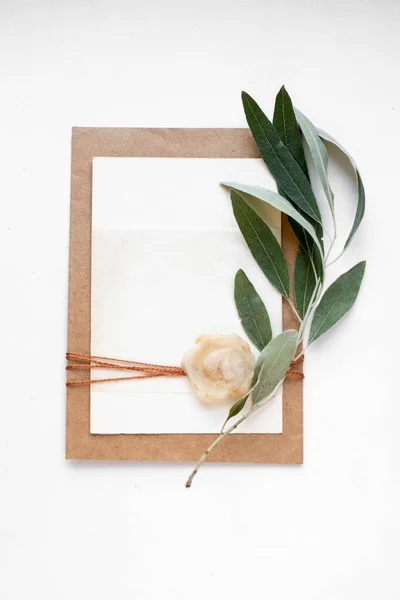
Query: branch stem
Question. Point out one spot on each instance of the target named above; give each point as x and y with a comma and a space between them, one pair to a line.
292, 306
219, 439
335, 259
332, 243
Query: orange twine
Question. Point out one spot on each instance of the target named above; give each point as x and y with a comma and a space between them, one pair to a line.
146, 370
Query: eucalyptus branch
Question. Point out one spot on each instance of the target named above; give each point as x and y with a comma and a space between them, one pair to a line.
221, 436
311, 304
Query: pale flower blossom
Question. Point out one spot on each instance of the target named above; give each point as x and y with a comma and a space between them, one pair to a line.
219, 367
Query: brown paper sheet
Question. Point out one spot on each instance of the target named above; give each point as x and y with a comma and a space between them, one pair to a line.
286, 447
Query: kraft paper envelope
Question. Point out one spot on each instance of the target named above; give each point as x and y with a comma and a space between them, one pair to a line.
285, 447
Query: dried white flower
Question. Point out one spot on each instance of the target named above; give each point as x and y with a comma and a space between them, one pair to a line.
219, 367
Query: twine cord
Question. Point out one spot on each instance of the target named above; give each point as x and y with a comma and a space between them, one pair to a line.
143, 370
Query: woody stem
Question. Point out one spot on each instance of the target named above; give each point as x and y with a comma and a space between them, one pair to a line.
225, 433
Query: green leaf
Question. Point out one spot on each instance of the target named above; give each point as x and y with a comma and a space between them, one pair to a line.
307, 244
336, 301
304, 282
252, 312
248, 191
319, 154
360, 187
262, 244
273, 363
235, 410
284, 168
285, 123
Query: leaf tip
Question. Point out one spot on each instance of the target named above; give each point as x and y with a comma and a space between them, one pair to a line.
362, 264
235, 195
247, 99
360, 267
225, 184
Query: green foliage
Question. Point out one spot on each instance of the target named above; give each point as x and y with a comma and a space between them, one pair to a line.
286, 125
304, 282
336, 301
262, 244
319, 154
252, 312
281, 147
284, 168
235, 410
273, 363
360, 188
249, 192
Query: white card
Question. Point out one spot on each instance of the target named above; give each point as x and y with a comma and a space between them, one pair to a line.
165, 251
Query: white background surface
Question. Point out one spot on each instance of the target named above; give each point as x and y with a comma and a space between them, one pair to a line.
328, 530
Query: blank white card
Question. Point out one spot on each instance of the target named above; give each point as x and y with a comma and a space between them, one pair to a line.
165, 251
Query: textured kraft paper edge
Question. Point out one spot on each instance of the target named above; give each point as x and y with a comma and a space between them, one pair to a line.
283, 448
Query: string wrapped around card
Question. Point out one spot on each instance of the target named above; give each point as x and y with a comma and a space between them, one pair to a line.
219, 367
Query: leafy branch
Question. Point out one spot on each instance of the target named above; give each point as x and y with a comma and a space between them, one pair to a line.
281, 147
